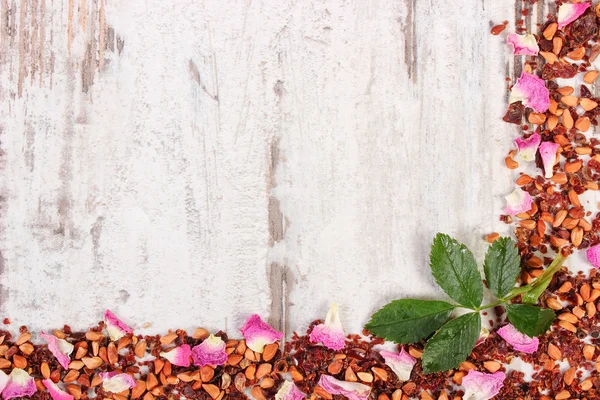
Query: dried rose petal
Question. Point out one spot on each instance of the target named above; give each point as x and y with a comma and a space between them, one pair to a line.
258, 333
330, 333
117, 382
528, 147
518, 340
20, 384
482, 386
60, 348
548, 153
210, 352
289, 391
483, 335
352, 390
569, 12
593, 255
3, 380
179, 356
531, 91
115, 327
401, 363
519, 201
524, 45
55, 392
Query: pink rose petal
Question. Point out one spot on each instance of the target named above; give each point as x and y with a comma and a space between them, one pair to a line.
20, 384
289, 391
524, 45
60, 348
3, 380
531, 91
210, 352
116, 382
548, 153
519, 201
528, 147
55, 392
258, 334
330, 333
569, 12
115, 327
352, 390
482, 386
401, 363
593, 255
519, 341
179, 356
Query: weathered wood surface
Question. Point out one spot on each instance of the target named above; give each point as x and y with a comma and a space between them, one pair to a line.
187, 163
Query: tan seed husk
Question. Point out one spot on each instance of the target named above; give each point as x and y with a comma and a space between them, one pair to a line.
567, 316
577, 236
588, 351
583, 124
550, 57
200, 333
335, 367
270, 351
349, 375
550, 31
559, 218
576, 54
492, 366
554, 351
213, 391
567, 119
510, 163
207, 373
140, 349
569, 376
568, 326
590, 77
365, 376
168, 338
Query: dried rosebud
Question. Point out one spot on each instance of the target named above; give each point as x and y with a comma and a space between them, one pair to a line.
258, 333
518, 340
525, 45
330, 333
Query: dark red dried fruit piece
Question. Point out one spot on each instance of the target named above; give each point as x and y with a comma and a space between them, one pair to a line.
514, 114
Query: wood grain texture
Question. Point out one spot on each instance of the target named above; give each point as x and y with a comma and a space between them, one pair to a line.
189, 162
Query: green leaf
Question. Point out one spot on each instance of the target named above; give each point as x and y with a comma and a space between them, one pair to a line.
455, 270
530, 320
502, 266
408, 320
452, 344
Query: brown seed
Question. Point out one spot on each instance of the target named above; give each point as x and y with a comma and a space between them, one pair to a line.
172, 380
151, 381
554, 352
566, 90
365, 376
251, 372
335, 367
567, 119
96, 380
81, 352
510, 163
587, 104
267, 383
568, 326
583, 124
45, 370
562, 395
457, 377
75, 391
263, 370
569, 376
123, 342
586, 226
296, 375
570, 101
76, 364
138, 390
594, 295
588, 351
140, 349
536, 118
576, 54
576, 236
319, 391
93, 335
19, 361
397, 395
167, 368
492, 366
559, 218
586, 385
550, 31
578, 311
213, 391
148, 396
426, 396
234, 359
528, 224
535, 262
112, 355
590, 77
270, 351
349, 375
574, 198
585, 291
572, 167
207, 373
549, 57
92, 362
380, 373
552, 122
158, 366
383, 396
524, 180
200, 333
168, 338
71, 376
26, 348
492, 237
240, 382
225, 381
567, 316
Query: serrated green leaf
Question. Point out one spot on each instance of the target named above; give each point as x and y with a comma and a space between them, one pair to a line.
455, 270
530, 320
502, 266
452, 343
408, 321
